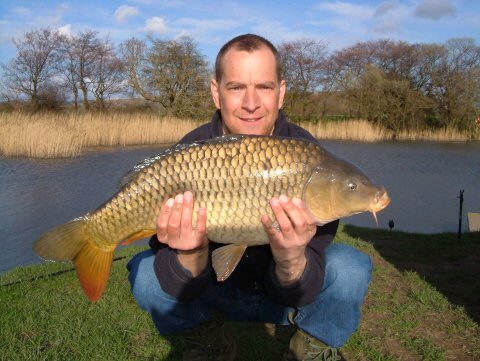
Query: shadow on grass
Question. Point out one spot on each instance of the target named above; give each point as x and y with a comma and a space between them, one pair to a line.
254, 341
449, 264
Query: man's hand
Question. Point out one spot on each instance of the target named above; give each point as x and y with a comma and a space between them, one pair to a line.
175, 228
296, 227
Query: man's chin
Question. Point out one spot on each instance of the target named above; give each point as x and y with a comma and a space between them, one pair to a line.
255, 127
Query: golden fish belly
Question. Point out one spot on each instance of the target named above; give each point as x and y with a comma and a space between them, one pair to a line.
233, 178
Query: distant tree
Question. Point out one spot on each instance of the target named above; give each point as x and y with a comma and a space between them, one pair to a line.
35, 64
172, 73
444, 78
457, 83
70, 67
107, 75
389, 103
304, 67
86, 48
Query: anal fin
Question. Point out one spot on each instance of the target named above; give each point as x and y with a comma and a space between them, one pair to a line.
225, 259
144, 233
93, 269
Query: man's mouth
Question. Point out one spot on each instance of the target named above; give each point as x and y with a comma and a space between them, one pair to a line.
251, 120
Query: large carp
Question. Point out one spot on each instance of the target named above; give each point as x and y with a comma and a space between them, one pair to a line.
233, 177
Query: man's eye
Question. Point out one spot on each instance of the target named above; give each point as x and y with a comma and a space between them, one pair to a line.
352, 186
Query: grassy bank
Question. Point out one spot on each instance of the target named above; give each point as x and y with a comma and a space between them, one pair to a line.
422, 305
51, 135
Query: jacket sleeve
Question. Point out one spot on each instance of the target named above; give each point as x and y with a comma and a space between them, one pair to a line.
306, 289
175, 279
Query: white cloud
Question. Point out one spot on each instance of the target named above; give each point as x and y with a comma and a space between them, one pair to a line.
384, 8
387, 27
155, 25
66, 30
434, 9
124, 12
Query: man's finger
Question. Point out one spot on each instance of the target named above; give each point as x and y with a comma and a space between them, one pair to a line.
175, 218
187, 212
273, 232
162, 220
294, 213
306, 212
201, 226
281, 216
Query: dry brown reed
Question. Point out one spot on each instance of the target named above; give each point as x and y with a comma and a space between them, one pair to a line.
362, 130
52, 135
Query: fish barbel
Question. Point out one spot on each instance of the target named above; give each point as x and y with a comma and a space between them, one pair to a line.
233, 177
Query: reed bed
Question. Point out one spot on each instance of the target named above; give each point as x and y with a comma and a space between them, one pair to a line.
362, 130
51, 135
55, 135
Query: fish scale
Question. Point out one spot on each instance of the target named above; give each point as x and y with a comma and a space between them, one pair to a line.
234, 178
259, 170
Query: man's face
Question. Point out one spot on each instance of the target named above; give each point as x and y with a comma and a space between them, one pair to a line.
249, 95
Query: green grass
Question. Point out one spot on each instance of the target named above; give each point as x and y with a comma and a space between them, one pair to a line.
422, 305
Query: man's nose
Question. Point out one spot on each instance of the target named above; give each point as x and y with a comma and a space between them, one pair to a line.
251, 100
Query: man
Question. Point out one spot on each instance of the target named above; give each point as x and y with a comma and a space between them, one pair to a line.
300, 278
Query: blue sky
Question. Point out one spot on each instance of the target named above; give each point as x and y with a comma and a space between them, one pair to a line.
212, 23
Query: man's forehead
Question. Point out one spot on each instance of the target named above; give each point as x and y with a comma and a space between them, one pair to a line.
259, 63
262, 51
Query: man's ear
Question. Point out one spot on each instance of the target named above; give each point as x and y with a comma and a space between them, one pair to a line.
283, 89
215, 94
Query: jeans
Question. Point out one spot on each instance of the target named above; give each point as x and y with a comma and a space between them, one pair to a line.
332, 317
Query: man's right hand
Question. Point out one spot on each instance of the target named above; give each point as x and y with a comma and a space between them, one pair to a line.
175, 228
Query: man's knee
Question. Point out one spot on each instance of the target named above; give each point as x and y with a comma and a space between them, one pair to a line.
348, 266
143, 280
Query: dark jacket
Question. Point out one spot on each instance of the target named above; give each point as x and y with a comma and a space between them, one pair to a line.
255, 272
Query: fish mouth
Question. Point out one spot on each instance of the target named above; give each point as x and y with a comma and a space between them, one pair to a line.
381, 201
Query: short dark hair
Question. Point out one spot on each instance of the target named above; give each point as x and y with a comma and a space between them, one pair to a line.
248, 43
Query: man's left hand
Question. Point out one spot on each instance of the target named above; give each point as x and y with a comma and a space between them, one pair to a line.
296, 227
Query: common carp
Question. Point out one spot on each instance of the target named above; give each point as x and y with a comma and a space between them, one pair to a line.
233, 177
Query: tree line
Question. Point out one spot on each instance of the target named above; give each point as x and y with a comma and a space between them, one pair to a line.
393, 84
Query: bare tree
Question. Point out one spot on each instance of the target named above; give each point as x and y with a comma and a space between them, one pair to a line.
304, 68
107, 76
449, 75
70, 67
458, 83
34, 65
86, 49
172, 73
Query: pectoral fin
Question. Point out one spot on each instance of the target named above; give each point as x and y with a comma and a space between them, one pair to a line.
225, 259
144, 233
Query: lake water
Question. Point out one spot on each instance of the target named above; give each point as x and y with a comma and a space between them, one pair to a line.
423, 180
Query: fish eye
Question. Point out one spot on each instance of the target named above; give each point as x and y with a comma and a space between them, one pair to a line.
352, 186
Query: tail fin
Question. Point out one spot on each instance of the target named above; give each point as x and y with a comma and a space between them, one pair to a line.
73, 242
